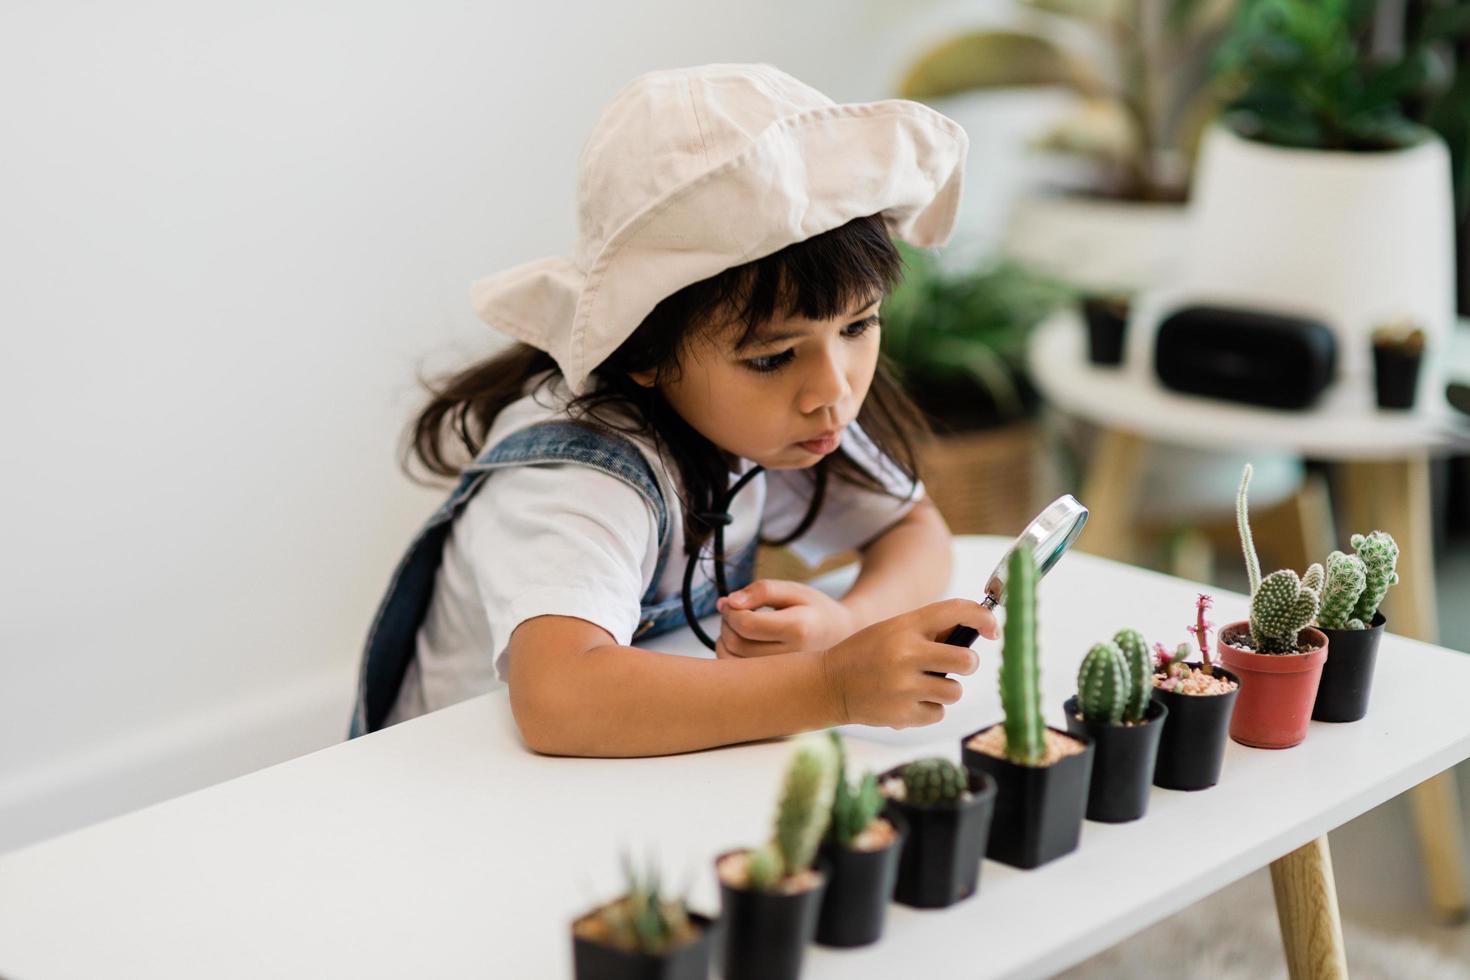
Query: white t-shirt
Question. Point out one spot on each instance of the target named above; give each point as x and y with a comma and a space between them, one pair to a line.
570, 540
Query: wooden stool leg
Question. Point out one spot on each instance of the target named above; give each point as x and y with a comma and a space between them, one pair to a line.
1306, 908
1394, 497
1109, 492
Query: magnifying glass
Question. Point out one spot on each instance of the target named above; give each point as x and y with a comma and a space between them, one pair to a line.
1047, 537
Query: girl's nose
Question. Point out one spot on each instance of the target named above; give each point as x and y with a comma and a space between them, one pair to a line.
826, 386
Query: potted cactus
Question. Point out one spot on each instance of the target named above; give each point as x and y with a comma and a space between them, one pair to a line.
948, 813
771, 895
1200, 696
862, 848
1353, 587
1114, 707
1041, 773
1277, 654
641, 935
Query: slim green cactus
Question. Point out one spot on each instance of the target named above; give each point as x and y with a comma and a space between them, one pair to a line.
1280, 609
801, 816
1243, 525
1020, 672
852, 809
1102, 684
930, 782
1140, 673
1380, 554
1346, 578
643, 920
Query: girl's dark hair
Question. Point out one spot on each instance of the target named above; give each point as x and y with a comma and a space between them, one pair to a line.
823, 277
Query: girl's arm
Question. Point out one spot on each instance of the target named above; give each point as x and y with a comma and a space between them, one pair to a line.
903, 568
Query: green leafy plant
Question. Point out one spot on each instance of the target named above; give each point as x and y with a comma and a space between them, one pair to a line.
1144, 81
1282, 604
1020, 671
801, 815
932, 782
853, 807
956, 336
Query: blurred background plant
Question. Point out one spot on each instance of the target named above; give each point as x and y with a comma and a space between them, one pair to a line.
1144, 79
958, 339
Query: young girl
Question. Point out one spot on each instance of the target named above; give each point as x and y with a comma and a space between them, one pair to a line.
702, 375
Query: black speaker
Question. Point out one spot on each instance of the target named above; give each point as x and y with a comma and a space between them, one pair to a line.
1245, 355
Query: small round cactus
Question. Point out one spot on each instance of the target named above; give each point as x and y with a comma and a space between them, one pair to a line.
930, 782
1140, 673
1380, 555
1102, 684
1280, 609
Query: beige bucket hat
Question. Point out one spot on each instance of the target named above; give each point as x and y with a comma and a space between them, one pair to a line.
691, 171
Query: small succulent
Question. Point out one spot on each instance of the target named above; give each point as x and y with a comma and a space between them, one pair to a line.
1140, 673
1283, 603
1345, 580
642, 919
1380, 555
931, 782
1201, 629
853, 808
801, 816
1102, 684
1020, 673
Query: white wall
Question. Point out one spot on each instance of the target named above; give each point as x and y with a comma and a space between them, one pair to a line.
228, 235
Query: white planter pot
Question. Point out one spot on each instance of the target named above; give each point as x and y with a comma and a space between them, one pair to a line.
1097, 243
1352, 238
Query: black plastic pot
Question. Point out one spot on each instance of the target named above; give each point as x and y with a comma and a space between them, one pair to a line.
1038, 809
764, 935
1122, 762
1192, 747
1395, 377
1347, 676
859, 890
597, 961
940, 864
1107, 324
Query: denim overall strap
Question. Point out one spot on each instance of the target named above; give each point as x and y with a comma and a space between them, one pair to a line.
393, 638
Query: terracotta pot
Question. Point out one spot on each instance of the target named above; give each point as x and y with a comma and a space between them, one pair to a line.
1277, 690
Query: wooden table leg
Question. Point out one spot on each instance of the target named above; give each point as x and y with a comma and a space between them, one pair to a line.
1109, 494
1306, 908
1394, 497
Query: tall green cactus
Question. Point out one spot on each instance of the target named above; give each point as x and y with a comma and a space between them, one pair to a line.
1346, 578
1380, 554
1280, 609
852, 809
1102, 684
1243, 525
1020, 672
802, 814
930, 782
1140, 673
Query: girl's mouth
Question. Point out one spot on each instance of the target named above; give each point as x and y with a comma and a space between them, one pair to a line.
824, 445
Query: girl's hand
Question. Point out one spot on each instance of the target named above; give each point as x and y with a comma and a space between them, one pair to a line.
879, 675
800, 618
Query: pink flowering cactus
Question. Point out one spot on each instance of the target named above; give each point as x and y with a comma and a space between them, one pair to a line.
1172, 665
1201, 629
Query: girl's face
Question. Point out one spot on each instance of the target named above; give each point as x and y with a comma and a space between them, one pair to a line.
799, 381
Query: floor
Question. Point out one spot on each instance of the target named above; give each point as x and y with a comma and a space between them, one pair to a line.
1387, 926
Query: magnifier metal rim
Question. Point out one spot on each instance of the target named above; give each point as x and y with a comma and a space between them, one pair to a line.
1042, 528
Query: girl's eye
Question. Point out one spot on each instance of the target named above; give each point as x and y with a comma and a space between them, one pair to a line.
775, 362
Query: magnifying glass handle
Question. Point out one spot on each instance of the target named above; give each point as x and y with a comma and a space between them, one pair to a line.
964, 636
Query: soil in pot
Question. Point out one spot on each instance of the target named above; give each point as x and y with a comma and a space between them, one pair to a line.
940, 860
764, 934
863, 876
1192, 744
1122, 763
1038, 809
1347, 676
1277, 690
595, 956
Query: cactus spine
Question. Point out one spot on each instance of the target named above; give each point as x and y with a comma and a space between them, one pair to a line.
1140, 673
852, 809
930, 782
1020, 674
1102, 684
1346, 579
1380, 554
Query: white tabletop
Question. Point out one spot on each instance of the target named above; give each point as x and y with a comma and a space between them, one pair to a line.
1344, 425
442, 848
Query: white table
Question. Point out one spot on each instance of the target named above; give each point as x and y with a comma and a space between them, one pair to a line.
441, 848
1384, 458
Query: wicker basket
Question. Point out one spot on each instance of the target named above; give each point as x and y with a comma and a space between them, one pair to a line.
986, 482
